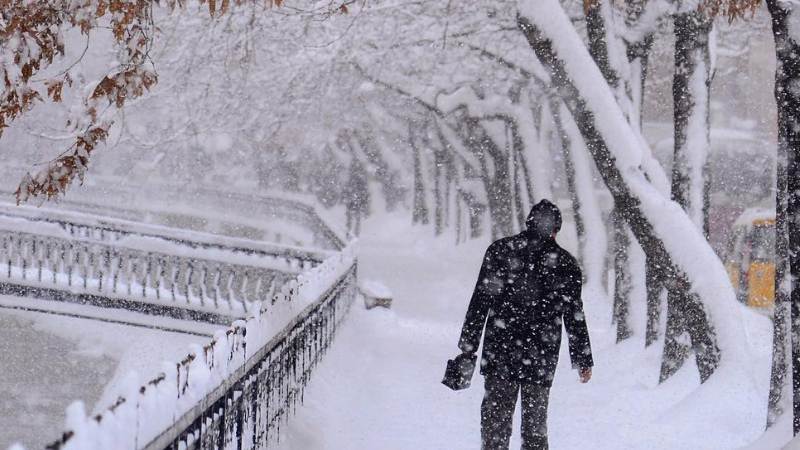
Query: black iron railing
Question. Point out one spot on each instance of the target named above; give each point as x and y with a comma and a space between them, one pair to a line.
258, 399
263, 365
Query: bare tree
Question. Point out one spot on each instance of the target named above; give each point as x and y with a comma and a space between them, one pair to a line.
690, 171
630, 188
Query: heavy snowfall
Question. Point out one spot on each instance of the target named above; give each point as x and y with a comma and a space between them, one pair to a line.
289, 224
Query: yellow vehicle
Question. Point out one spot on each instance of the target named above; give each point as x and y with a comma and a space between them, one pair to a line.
750, 260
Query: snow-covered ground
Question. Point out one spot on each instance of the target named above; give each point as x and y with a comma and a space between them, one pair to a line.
49, 361
379, 387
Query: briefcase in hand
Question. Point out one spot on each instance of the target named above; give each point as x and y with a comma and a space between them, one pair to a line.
458, 374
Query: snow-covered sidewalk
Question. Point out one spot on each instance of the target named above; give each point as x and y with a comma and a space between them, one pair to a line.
379, 387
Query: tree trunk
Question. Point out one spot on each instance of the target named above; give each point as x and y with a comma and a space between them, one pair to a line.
519, 176
638, 58
496, 176
598, 49
787, 77
420, 210
655, 288
622, 276
636, 198
373, 156
638, 53
781, 346
566, 144
690, 93
440, 182
592, 235
598, 44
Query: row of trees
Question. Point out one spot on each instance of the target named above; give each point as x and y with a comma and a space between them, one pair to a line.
466, 113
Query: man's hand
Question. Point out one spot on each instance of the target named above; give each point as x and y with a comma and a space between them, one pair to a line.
585, 373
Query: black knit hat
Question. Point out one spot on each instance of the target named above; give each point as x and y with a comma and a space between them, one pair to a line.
544, 219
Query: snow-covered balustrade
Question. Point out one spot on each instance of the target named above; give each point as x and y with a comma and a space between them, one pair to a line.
105, 229
237, 391
205, 281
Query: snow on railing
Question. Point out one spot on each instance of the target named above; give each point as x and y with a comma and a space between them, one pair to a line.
105, 229
137, 272
236, 391
204, 208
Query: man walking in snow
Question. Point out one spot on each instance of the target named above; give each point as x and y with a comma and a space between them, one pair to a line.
528, 286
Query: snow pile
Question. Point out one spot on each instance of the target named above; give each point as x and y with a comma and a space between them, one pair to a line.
375, 289
751, 215
142, 413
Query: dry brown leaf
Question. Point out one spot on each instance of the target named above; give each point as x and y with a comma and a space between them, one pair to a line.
101, 9
54, 90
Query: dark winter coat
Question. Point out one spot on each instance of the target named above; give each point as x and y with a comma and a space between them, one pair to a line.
528, 286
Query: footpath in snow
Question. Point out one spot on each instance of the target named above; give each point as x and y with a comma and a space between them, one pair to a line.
379, 386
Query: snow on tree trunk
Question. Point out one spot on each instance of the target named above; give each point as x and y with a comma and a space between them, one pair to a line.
638, 57
504, 201
514, 111
580, 229
592, 236
690, 92
663, 228
627, 80
539, 164
599, 28
466, 192
786, 32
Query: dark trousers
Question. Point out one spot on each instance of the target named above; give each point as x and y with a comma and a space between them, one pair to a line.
497, 410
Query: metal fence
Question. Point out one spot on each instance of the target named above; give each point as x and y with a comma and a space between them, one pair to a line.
249, 412
223, 213
241, 388
105, 229
174, 282
261, 386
